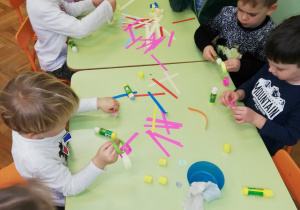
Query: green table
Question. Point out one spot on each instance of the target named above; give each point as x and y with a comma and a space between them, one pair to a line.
248, 164
105, 47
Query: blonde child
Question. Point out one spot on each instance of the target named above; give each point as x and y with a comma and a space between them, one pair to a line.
36, 106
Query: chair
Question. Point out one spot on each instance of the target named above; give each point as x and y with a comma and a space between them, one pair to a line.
23, 38
9, 176
15, 4
289, 171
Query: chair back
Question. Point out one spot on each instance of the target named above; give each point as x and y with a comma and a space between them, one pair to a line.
23, 38
289, 171
15, 4
9, 176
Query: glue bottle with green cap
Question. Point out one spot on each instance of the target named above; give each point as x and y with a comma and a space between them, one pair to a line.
128, 91
257, 192
213, 95
106, 133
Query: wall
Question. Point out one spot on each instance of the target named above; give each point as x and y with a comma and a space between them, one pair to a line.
286, 9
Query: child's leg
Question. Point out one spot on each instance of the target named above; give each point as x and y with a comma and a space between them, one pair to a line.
63, 73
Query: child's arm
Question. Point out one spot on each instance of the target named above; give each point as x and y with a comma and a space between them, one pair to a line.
107, 104
58, 176
243, 114
179, 5
57, 21
206, 33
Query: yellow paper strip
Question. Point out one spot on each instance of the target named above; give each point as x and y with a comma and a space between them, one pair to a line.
154, 118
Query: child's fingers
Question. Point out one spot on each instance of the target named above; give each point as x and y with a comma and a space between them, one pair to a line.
106, 145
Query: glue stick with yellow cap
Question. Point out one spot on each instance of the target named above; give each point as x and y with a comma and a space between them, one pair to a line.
128, 91
106, 133
73, 46
257, 192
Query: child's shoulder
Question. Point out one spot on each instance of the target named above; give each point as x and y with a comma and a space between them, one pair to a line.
229, 10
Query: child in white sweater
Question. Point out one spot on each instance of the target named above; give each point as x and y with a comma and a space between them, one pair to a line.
36, 106
55, 20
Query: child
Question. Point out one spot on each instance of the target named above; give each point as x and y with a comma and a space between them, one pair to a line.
203, 9
240, 32
54, 21
272, 98
33, 195
36, 106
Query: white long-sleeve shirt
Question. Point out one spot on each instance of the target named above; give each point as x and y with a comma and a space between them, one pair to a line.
54, 20
46, 159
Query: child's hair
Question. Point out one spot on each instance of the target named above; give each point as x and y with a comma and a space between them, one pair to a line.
33, 195
283, 44
35, 102
266, 3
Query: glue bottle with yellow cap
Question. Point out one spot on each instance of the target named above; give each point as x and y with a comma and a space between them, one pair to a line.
257, 192
106, 133
128, 91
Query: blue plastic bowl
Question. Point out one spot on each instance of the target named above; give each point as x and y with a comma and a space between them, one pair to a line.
204, 171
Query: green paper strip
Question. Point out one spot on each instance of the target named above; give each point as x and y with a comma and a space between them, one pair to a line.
117, 148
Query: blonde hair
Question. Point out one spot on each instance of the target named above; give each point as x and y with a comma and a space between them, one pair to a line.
36, 102
266, 3
33, 195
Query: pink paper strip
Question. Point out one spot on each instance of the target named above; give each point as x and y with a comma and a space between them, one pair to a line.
175, 124
165, 119
168, 139
159, 63
171, 37
126, 146
231, 103
162, 126
115, 113
158, 144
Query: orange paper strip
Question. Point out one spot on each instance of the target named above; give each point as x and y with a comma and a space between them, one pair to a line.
196, 110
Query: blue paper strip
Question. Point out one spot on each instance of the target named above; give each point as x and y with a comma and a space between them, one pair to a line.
123, 17
157, 103
122, 95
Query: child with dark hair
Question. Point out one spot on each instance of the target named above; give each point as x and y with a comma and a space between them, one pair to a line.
272, 96
238, 34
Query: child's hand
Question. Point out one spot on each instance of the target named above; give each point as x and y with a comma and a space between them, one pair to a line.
106, 155
227, 96
97, 2
233, 65
243, 114
209, 53
113, 4
108, 105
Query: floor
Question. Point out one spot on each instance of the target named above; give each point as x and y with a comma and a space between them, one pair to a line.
14, 61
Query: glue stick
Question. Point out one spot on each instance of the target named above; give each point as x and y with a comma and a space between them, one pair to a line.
257, 192
106, 133
73, 46
128, 91
213, 95
218, 59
